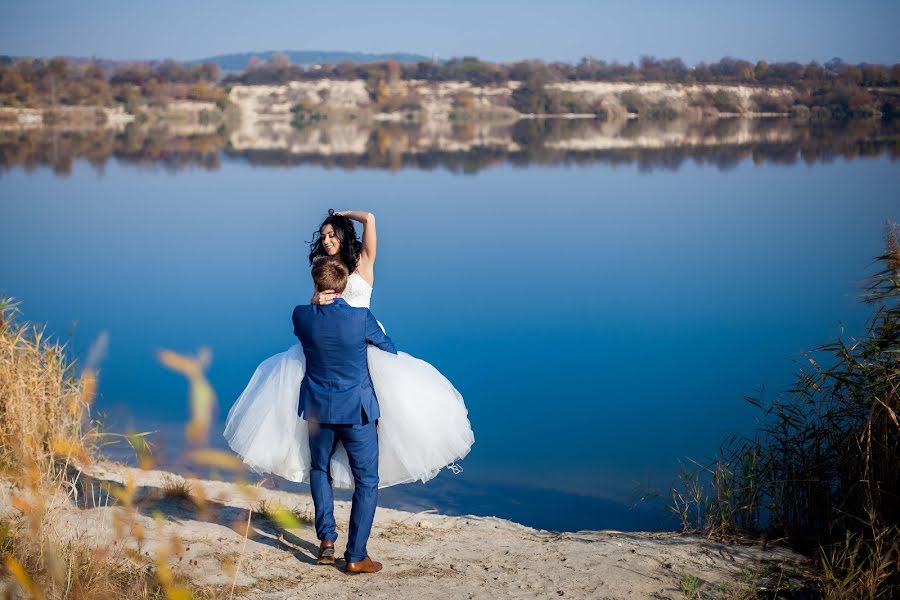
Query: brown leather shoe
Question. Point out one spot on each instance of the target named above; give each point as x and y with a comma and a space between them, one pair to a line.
366, 565
326, 553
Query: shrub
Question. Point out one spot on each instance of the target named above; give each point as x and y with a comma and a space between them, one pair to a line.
659, 111
464, 101
799, 112
306, 114
725, 102
771, 103
531, 97
632, 101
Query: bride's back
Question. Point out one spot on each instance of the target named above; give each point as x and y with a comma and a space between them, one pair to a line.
358, 291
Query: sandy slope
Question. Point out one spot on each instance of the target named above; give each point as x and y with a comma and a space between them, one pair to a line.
425, 555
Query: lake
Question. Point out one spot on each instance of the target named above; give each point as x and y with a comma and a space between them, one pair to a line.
603, 306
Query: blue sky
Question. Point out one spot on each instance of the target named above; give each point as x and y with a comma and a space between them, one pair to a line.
696, 30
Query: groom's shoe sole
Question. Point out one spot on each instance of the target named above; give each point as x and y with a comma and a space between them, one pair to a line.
366, 565
326, 554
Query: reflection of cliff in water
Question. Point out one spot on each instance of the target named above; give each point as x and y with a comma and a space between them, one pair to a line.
464, 147
651, 144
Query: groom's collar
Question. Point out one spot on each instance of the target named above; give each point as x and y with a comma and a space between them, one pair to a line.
339, 300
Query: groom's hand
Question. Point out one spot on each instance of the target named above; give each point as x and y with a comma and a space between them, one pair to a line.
325, 297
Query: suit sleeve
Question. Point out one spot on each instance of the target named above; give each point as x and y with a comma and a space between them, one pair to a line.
295, 320
376, 336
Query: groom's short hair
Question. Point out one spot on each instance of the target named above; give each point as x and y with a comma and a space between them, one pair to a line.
330, 273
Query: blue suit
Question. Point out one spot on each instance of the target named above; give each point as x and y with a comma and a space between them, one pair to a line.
338, 400
335, 337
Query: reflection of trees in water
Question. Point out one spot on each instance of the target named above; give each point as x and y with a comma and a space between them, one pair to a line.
462, 148
30, 149
133, 145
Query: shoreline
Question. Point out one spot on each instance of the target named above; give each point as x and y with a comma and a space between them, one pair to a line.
425, 554
299, 103
99, 118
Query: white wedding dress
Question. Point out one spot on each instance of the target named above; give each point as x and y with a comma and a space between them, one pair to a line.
424, 424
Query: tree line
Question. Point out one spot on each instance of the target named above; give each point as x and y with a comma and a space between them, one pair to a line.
41, 83
843, 89
835, 89
649, 69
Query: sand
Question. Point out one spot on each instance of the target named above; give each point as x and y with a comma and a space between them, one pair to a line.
426, 555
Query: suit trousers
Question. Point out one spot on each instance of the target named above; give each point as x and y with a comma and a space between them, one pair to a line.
361, 444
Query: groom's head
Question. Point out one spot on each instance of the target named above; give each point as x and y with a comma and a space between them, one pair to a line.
329, 273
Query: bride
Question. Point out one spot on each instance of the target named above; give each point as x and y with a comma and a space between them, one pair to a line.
424, 423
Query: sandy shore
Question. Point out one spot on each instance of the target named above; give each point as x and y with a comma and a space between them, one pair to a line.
425, 555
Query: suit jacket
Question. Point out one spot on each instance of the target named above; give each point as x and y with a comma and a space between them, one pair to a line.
337, 387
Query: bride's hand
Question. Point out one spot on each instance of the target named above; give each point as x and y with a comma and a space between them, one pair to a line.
360, 216
326, 297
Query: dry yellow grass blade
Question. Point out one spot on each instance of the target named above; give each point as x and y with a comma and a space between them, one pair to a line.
126, 493
892, 414
21, 504
88, 391
216, 458
18, 572
70, 448
167, 580
198, 497
237, 568
202, 395
285, 518
138, 441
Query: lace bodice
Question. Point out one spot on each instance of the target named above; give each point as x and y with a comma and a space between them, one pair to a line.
358, 291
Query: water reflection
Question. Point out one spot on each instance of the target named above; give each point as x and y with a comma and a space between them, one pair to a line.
465, 147
58, 150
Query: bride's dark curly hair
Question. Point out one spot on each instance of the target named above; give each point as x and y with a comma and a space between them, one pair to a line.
346, 233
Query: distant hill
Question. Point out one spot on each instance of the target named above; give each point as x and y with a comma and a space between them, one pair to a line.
238, 62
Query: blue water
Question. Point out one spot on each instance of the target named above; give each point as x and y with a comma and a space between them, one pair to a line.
602, 322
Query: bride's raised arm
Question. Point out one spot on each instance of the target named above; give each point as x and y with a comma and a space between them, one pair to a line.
366, 265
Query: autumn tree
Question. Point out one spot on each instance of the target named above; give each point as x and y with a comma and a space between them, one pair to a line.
280, 59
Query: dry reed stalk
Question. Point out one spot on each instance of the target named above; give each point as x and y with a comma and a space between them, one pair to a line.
237, 568
823, 469
43, 404
45, 430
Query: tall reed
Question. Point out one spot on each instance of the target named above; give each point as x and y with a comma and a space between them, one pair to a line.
823, 469
44, 405
45, 433
47, 438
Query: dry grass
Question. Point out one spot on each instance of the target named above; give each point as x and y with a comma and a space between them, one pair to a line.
176, 487
293, 518
43, 404
56, 568
773, 581
45, 434
46, 438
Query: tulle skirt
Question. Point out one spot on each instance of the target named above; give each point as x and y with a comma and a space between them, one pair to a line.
424, 423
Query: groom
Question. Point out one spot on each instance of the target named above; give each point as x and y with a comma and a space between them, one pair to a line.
338, 401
